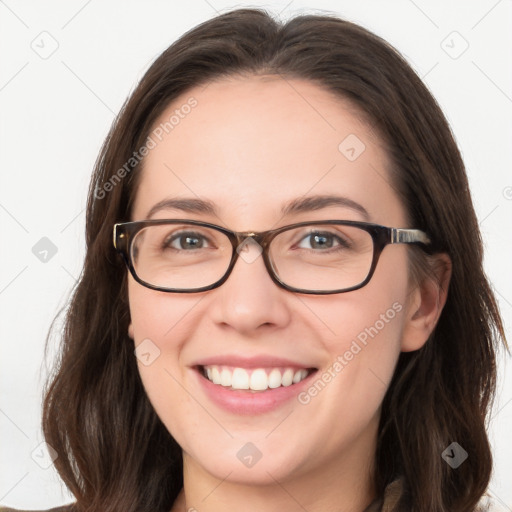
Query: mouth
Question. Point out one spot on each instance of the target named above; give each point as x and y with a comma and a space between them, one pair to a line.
254, 380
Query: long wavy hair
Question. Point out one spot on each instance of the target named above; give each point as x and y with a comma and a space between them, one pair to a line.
114, 453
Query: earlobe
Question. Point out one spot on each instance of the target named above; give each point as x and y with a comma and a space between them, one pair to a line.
130, 331
426, 303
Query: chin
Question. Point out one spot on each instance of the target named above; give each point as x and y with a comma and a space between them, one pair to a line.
246, 463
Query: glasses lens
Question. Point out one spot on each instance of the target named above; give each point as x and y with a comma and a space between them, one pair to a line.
322, 257
180, 256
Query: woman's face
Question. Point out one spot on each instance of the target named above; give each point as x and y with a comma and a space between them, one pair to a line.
251, 146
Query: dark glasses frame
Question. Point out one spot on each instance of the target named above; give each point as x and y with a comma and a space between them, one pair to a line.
124, 234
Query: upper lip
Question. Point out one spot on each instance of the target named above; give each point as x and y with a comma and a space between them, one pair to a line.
261, 361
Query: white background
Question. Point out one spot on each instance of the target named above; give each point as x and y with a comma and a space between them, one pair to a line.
56, 111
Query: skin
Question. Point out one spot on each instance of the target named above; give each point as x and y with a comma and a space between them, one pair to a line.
250, 145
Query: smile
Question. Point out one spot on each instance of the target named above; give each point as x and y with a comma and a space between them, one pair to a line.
251, 385
254, 379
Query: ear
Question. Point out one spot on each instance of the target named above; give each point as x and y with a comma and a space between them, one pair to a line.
425, 304
130, 331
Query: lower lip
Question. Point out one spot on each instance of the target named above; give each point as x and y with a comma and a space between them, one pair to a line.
245, 402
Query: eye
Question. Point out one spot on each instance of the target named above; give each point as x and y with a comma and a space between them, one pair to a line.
185, 240
322, 240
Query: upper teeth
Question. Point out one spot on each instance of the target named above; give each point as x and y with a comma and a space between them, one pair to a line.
256, 379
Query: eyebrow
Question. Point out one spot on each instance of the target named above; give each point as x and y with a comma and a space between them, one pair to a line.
299, 205
311, 203
189, 205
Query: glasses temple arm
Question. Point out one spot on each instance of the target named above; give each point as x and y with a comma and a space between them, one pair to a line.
408, 236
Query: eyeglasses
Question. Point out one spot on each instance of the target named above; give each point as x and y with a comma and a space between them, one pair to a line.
319, 257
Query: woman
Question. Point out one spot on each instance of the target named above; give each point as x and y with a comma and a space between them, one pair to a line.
237, 231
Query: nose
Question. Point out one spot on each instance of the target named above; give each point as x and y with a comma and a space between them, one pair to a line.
249, 300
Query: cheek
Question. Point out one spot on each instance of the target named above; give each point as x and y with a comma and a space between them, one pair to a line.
348, 391
368, 321
160, 324
362, 333
159, 316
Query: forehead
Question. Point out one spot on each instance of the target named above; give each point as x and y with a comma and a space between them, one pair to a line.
252, 144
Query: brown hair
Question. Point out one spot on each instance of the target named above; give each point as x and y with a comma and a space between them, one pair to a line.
114, 452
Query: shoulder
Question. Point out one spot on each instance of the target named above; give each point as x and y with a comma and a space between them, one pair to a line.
65, 508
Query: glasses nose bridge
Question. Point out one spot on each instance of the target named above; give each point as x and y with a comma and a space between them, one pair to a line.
260, 237
240, 240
